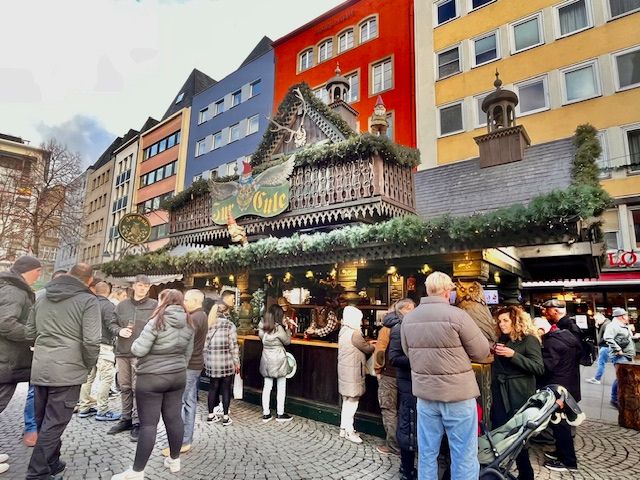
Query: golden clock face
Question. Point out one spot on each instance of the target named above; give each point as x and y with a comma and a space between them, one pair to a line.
134, 228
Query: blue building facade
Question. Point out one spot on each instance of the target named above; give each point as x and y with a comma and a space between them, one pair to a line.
229, 118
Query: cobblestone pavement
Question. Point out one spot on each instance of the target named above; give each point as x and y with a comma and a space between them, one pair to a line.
301, 449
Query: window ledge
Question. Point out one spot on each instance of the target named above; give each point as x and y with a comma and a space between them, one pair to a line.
444, 135
571, 102
485, 63
514, 52
560, 37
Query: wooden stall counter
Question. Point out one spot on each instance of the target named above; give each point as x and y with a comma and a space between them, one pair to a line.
629, 395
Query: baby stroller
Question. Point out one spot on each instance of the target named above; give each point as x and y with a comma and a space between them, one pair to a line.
498, 449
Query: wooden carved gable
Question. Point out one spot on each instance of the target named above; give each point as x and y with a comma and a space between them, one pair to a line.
303, 126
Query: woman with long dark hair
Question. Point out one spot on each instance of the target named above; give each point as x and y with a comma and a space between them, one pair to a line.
518, 360
273, 362
163, 349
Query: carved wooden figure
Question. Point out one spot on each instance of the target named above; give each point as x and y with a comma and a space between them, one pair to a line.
470, 298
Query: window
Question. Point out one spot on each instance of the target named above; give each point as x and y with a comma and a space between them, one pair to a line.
345, 41
481, 117
202, 115
236, 98
533, 94
451, 119
633, 147
218, 107
171, 141
170, 169
527, 33
368, 29
479, 3
179, 97
217, 140
153, 150
449, 62
322, 94
621, 7
232, 168
382, 76
253, 124
573, 16
255, 88
603, 159
234, 132
159, 231
201, 147
628, 69
306, 60
635, 215
580, 83
162, 145
390, 125
325, 51
445, 11
486, 49
354, 87
611, 240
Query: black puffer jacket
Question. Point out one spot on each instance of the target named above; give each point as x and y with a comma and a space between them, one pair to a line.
16, 300
561, 351
106, 314
407, 414
168, 350
66, 327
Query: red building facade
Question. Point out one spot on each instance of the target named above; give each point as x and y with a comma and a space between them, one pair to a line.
372, 41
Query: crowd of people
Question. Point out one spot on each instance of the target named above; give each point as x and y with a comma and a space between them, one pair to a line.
78, 330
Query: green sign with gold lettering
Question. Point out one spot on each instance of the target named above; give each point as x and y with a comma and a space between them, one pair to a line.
265, 195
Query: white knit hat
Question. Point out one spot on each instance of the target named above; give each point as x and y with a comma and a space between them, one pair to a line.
352, 317
542, 323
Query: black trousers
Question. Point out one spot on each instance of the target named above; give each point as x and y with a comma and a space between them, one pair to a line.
54, 409
564, 443
6, 394
156, 395
220, 386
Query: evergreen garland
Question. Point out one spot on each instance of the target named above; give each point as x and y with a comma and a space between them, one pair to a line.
547, 216
588, 149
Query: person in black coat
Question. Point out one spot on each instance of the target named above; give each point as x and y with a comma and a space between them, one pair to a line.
406, 430
561, 351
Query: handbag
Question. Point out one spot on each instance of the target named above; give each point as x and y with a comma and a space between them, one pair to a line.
292, 365
238, 387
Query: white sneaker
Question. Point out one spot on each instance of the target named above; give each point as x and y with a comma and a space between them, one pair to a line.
4, 467
342, 432
353, 437
3, 457
594, 381
172, 465
129, 475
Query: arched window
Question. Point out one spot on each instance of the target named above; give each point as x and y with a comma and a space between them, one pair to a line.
368, 29
306, 60
325, 50
345, 40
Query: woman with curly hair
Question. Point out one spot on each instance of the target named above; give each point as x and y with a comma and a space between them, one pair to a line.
518, 360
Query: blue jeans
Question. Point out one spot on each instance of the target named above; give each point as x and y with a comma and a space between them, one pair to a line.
30, 412
460, 421
603, 358
615, 359
190, 405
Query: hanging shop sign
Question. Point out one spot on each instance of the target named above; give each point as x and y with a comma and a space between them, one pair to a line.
134, 228
265, 195
623, 259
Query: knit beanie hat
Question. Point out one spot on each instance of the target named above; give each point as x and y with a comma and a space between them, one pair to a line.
25, 264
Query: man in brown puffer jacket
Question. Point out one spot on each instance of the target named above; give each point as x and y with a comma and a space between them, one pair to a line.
441, 341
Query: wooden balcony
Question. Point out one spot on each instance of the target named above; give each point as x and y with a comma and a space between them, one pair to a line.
363, 190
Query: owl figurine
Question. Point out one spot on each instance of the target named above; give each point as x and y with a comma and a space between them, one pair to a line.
470, 298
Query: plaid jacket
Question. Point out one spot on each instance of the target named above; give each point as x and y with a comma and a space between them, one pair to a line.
221, 352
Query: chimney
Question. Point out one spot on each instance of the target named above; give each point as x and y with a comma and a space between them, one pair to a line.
338, 88
505, 141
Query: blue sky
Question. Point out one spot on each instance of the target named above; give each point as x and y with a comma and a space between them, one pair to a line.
86, 71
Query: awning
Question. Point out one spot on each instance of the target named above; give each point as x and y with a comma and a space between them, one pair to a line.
607, 279
155, 279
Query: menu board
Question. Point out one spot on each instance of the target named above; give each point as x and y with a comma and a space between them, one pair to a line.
396, 288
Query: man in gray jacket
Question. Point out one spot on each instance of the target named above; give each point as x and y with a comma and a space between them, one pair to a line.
441, 341
65, 325
620, 340
128, 321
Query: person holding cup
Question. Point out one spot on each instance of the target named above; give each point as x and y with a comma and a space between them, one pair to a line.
129, 319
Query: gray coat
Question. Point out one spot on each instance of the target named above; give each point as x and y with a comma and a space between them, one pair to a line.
620, 339
164, 351
130, 311
273, 363
16, 299
352, 361
66, 327
441, 341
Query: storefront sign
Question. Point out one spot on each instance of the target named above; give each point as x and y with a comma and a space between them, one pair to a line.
623, 259
265, 195
134, 228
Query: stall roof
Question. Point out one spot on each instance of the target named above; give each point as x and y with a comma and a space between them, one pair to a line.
155, 279
463, 188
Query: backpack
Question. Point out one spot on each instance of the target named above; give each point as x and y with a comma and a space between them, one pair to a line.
589, 351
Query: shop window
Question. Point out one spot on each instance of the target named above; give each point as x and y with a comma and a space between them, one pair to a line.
345, 41
580, 82
572, 16
451, 119
446, 10
628, 69
486, 49
527, 33
622, 7
533, 95
449, 62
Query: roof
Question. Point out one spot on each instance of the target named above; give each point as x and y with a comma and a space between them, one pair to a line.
130, 135
11, 138
463, 188
263, 46
106, 155
149, 124
195, 83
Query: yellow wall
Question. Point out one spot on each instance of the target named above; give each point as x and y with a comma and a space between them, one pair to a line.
622, 187
602, 112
